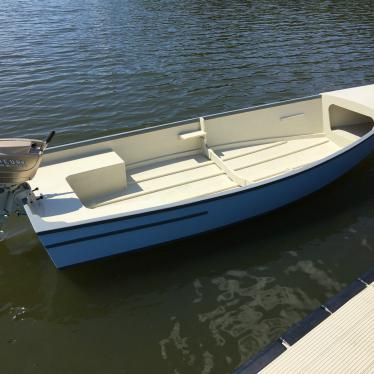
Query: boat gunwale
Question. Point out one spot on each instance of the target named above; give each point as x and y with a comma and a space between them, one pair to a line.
216, 196
147, 129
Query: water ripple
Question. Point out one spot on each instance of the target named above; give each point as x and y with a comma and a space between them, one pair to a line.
87, 68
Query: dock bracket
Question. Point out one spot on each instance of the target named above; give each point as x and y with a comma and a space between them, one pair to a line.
284, 343
325, 308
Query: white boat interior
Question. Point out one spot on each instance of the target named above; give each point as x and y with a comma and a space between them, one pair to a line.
152, 168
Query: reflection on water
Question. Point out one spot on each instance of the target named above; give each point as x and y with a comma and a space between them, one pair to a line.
88, 68
201, 305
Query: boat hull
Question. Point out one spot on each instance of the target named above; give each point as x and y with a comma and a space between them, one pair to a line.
87, 242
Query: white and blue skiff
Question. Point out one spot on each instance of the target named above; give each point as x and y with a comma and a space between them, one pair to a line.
142, 188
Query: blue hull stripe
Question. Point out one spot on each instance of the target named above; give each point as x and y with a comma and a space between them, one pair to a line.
115, 232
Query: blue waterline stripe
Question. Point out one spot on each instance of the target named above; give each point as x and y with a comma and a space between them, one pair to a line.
116, 232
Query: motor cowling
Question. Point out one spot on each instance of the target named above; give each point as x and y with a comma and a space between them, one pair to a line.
19, 162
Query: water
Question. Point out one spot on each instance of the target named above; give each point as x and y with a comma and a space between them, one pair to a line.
86, 68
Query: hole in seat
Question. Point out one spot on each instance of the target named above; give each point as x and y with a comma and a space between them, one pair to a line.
349, 121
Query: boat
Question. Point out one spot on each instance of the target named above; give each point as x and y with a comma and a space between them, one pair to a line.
125, 192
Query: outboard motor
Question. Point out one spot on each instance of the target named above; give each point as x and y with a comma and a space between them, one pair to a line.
19, 162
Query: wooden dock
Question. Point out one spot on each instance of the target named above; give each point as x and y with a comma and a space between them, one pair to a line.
336, 338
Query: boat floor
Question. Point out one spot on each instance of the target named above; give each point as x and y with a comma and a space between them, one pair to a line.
173, 180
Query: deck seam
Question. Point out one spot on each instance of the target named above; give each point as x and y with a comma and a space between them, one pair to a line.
281, 156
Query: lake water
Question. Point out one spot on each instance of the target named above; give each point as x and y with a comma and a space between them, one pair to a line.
86, 68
